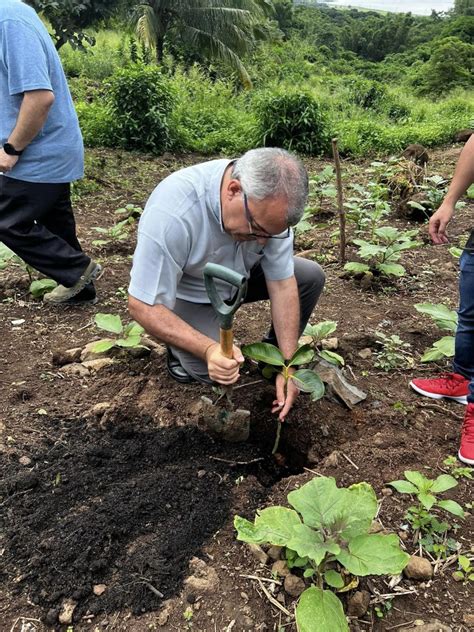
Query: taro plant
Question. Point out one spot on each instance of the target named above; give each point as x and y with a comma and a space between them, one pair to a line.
383, 253
447, 320
318, 333
427, 527
327, 531
129, 336
306, 380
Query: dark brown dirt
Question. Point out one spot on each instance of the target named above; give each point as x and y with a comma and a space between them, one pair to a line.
130, 497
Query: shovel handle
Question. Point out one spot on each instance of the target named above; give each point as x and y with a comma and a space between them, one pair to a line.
227, 342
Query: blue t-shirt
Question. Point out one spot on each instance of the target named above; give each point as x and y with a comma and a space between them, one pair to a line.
29, 61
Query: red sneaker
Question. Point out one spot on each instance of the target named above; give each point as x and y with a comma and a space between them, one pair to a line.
449, 385
466, 451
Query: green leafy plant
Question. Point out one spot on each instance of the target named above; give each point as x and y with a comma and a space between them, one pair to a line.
130, 211
465, 572
367, 206
328, 529
384, 252
318, 333
447, 320
426, 524
395, 353
40, 287
306, 380
116, 233
129, 335
452, 463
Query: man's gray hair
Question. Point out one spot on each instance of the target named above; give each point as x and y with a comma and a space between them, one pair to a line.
270, 172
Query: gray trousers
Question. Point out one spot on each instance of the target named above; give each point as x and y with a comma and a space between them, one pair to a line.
310, 279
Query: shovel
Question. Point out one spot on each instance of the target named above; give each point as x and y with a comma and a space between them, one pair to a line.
230, 424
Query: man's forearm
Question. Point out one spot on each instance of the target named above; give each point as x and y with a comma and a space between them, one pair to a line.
32, 116
463, 174
285, 309
162, 323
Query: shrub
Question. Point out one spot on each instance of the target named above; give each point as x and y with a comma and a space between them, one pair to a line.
97, 124
293, 121
369, 95
140, 103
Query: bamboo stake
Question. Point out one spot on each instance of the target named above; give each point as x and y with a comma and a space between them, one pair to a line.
340, 204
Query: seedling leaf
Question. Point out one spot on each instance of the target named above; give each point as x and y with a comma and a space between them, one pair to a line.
452, 506
319, 611
109, 322
264, 352
374, 555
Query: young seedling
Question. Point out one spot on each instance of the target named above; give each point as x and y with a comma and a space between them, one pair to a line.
383, 253
327, 534
447, 320
465, 572
116, 233
452, 463
306, 380
318, 333
393, 354
423, 522
129, 335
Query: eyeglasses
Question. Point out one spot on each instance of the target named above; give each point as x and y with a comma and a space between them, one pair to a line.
254, 225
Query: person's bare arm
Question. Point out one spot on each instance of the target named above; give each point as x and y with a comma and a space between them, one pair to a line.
33, 113
462, 179
285, 308
163, 324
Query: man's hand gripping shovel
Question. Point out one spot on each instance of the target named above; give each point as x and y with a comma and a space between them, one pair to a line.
231, 424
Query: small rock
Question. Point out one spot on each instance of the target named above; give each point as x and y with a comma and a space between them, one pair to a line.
99, 589
358, 604
332, 460
280, 568
365, 353
99, 409
98, 364
24, 460
164, 613
468, 618
75, 370
244, 596
201, 473
204, 578
433, 626
67, 610
274, 552
403, 535
258, 553
386, 491
294, 585
418, 568
366, 281
331, 344
69, 356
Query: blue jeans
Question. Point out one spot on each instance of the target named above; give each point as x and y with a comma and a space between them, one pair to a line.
464, 348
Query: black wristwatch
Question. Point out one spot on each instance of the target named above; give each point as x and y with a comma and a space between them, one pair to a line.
11, 151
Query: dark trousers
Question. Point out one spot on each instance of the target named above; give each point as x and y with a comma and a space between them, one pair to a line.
310, 279
37, 223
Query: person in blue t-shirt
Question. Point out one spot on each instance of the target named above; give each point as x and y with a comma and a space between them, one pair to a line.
41, 153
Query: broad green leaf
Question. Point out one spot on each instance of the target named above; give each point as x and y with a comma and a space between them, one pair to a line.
309, 381
309, 572
320, 330
361, 510
333, 579
427, 500
445, 345
416, 205
464, 562
371, 250
418, 479
451, 506
332, 357
310, 543
264, 352
432, 355
133, 329
109, 322
303, 355
443, 483
456, 252
444, 317
273, 525
393, 269
354, 266
42, 286
130, 342
102, 345
320, 611
268, 372
374, 555
389, 233
404, 487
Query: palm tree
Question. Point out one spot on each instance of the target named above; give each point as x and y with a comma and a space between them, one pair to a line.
219, 29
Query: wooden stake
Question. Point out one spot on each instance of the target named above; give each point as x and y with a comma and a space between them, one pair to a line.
340, 203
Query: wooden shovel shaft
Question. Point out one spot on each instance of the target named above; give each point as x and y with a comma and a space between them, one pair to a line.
227, 342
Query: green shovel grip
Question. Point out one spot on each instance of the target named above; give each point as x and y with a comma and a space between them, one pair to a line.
224, 311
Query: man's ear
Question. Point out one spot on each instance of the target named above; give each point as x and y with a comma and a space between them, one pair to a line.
234, 188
